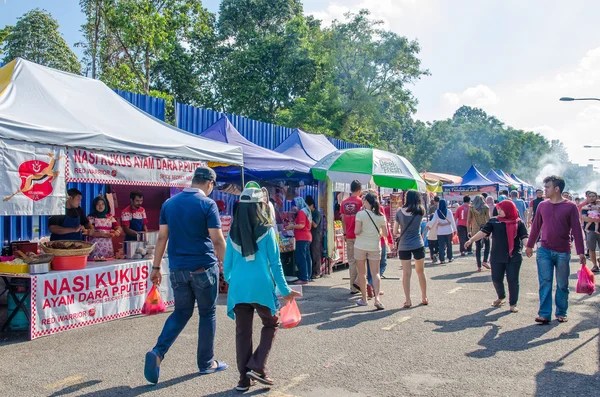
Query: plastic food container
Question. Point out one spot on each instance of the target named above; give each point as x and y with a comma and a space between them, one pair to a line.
69, 262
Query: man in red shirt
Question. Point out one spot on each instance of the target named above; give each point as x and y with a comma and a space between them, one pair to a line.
462, 214
350, 208
133, 217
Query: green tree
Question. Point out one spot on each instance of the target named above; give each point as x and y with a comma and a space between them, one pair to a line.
265, 56
243, 21
35, 37
3, 35
140, 33
366, 71
93, 30
472, 136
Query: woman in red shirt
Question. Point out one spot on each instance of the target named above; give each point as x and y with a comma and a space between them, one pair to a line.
303, 238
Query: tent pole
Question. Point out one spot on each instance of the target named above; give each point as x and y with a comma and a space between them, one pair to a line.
242, 173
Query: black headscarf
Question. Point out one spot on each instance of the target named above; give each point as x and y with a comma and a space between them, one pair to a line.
95, 212
248, 228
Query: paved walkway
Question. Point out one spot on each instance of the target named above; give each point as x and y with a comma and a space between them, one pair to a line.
456, 346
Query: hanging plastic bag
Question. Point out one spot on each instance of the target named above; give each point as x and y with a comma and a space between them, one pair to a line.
455, 239
290, 315
154, 303
586, 281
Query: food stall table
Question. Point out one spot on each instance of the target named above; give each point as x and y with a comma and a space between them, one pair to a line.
103, 291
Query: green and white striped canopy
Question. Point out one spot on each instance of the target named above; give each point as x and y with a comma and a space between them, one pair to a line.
385, 169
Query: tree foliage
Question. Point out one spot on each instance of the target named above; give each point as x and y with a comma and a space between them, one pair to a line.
266, 60
362, 92
35, 37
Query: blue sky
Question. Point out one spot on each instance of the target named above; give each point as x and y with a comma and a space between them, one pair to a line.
512, 58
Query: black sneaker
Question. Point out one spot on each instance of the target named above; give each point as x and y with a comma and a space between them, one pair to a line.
596, 269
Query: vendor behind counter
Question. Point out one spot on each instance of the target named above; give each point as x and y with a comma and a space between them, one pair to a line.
71, 225
133, 217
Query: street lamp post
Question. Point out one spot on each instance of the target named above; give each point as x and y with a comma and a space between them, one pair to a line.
569, 99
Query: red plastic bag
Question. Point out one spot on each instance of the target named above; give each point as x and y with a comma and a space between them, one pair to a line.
290, 315
455, 239
586, 282
154, 303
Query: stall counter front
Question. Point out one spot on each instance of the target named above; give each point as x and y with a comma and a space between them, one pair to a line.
103, 291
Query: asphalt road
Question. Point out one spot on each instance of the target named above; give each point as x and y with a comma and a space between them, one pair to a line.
457, 346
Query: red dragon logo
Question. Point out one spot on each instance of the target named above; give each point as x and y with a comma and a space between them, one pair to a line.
37, 178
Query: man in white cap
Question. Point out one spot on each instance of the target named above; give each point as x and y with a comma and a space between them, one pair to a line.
191, 224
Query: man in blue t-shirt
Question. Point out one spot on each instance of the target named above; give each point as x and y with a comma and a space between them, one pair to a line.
520, 204
191, 224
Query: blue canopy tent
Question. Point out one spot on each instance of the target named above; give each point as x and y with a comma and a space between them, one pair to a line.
309, 148
521, 181
259, 163
525, 186
473, 181
510, 179
496, 177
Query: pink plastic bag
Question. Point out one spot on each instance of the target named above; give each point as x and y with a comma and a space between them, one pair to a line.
290, 315
154, 303
586, 281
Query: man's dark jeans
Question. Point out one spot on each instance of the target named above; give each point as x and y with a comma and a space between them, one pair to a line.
463, 236
190, 288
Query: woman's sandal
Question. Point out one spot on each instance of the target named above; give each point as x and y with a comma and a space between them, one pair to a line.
562, 319
514, 309
498, 302
542, 320
425, 302
407, 305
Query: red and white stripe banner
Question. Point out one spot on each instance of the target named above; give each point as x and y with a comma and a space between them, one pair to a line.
128, 169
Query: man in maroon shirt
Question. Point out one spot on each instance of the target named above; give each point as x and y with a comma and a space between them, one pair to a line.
557, 219
350, 208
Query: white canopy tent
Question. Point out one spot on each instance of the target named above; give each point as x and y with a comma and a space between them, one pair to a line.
48, 106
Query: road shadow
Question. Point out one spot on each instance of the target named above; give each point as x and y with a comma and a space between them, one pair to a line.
356, 319
479, 279
13, 337
333, 307
128, 391
475, 320
529, 337
552, 382
452, 276
75, 388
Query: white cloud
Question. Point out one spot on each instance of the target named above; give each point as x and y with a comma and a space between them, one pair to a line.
479, 96
385, 10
